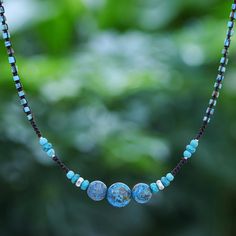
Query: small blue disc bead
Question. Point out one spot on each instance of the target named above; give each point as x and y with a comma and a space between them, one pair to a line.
191, 149
51, 152
141, 193
154, 188
70, 174
43, 141
170, 177
84, 185
194, 143
97, 190
75, 178
165, 181
187, 154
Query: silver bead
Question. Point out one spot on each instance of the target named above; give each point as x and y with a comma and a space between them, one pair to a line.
160, 185
79, 182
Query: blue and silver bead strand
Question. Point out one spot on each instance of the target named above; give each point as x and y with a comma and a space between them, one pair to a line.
77, 180
190, 149
47, 147
162, 183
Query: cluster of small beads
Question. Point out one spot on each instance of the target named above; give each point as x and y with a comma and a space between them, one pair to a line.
47, 147
161, 184
222, 67
190, 149
77, 180
12, 62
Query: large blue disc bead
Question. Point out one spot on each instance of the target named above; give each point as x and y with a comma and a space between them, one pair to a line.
97, 190
141, 193
119, 195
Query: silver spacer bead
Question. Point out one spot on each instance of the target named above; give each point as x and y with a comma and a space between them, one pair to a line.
79, 182
160, 185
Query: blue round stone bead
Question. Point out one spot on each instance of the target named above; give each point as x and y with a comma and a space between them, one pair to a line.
97, 190
119, 195
141, 193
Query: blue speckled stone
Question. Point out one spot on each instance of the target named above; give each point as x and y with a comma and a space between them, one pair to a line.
97, 190
141, 193
119, 195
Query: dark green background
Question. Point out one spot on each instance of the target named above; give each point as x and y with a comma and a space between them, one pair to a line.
119, 87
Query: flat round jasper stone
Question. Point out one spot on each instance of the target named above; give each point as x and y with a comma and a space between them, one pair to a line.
97, 190
141, 193
119, 195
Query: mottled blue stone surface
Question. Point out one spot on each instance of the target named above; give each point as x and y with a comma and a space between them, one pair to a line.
97, 190
119, 195
141, 193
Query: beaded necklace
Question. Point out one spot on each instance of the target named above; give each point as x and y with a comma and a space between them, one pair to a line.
119, 194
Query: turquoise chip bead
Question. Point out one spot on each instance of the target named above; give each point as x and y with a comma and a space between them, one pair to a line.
194, 143
51, 152
165, 181
190, 148
84, 185
187, 154
70, 174
47, 147
43, 141
75, 178
170, 177
154, 188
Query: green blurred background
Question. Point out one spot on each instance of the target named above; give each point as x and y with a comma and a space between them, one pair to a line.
119, 87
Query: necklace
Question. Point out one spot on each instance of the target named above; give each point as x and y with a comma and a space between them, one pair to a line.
119, 194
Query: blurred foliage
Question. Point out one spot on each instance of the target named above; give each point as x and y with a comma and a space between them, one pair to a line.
119, 87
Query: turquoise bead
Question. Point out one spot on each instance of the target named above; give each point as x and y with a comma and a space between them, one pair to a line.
51, 152
165, 181
84, 185
47, 147
119, 195
170, 177
141, 193
190, 148
97, 190
194, 143
70, 174
187, 154
154, 188
43, 141
75, 178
